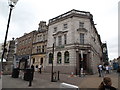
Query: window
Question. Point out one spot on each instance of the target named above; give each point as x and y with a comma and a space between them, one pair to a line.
38, 49
66, 57
81, 38
50, 58
65, 26
81, 24
55, 29
65, 39
33, 60
43, 48
40, 39
43, 37
30, 39
59, 40
59, 57
55, 41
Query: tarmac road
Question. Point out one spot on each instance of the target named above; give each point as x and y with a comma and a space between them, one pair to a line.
44, 81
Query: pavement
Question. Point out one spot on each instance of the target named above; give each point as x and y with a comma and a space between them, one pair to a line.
43, 80
0, 83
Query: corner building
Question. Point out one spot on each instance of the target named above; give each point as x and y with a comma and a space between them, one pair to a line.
74, 36
39, 45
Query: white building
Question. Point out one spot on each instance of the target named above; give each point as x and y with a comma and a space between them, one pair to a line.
73, 33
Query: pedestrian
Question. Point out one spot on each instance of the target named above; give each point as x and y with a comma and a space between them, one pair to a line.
40, 68
36, 68
31, 75
100, 70
107, 69
106, 84
32, 72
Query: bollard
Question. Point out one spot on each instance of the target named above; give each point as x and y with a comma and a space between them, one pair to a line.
58, 75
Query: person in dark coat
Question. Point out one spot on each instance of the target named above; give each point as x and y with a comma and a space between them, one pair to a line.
33, 69
106, 84
31, 75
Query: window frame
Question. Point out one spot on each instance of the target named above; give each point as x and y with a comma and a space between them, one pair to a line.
82, 38
59, 58
66, 56
59, 40
81, 24
65, 26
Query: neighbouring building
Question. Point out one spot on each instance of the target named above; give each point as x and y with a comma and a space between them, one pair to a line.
76, 41
24, 48
105, 53
1, 49
39, 45
8, 56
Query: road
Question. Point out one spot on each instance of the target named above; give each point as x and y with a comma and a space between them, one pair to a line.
44, 81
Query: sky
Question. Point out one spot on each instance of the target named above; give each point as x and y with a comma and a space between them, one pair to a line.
28, 13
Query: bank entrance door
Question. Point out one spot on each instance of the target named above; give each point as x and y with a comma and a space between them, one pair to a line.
83, 63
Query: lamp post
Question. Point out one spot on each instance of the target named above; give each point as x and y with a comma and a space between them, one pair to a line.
52, 65
12, 3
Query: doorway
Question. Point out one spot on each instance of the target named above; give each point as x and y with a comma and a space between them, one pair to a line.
84, 62
41, 62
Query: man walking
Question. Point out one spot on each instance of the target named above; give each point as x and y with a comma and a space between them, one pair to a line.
100, 70
40, 68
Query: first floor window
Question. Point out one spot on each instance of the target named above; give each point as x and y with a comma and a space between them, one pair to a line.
38, 49
81, 38
50, 58
55, 41
59, 40
43, 48
65, 39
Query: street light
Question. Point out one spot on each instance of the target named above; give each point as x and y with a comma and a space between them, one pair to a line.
52, 79
11, 3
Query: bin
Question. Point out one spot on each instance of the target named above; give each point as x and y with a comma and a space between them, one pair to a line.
28, 74
15, 73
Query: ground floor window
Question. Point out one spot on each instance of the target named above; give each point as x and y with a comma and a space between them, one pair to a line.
66, 57
59, 57
50, 58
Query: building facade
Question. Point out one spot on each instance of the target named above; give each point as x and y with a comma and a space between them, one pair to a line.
76, 41
24, 47
8, 56
39, 45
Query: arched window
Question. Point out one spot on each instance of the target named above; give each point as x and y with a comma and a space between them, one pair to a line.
50, 58
66, 57
33, 60
59, 58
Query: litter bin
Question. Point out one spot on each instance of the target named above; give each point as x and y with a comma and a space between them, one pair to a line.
15, 73
28, 74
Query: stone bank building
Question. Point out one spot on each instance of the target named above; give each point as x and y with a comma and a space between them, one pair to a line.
74, 35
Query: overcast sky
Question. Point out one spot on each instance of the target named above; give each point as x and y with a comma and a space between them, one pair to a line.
28, 13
